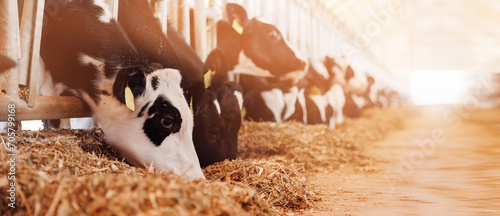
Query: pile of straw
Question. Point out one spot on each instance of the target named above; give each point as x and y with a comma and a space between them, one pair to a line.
61, 172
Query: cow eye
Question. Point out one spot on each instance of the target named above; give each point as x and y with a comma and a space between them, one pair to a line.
167, 122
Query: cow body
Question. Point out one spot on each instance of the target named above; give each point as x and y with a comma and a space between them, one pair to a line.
87, 53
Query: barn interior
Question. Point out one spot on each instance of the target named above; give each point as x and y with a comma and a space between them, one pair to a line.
432, 148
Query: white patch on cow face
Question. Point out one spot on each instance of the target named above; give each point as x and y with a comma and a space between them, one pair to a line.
359, 101
357, 84
331, 122
321, 102
290, 100
274, 102
45, 85
247, 66
302, 101
373, 93
336, 99
124, 128
239, 97
106, 15
217, 106
320, 68
88, 60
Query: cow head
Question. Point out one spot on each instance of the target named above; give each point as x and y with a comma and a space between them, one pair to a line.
217, 112
143, 112
256, 47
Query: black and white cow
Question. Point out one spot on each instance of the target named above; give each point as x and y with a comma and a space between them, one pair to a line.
217, 109
255, 47
216, 135
353, 84
139, 105
324, 97
257, 51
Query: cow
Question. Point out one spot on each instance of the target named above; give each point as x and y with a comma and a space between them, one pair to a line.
139, 104
325, 97
216, 109
255, 47
353, 84
257, 52
216, 135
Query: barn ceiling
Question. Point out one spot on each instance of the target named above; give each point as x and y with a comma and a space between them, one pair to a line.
423, 35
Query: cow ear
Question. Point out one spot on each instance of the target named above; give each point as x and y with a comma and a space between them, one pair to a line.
237, 16
349, 73
130, 83
370, 79
215, 68
6, 63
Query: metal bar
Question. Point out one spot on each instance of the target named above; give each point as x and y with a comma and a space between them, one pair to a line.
200, 28
173, 14
35, 51
184, 20
114, 8
9, 45
26, 37
164, 15
48, 107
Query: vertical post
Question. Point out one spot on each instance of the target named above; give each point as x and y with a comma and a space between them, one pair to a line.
310, 35
113, 7
200, 28
173, 14
37, 22
302, 33
164, 16
9, 45
280, 13
292, 24
184, 29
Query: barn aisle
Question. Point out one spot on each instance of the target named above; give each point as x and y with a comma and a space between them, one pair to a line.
439, 164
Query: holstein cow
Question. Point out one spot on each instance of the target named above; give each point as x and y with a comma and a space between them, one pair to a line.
257, 49
216, 136
354, 86
139, 105
325, 98
217, 115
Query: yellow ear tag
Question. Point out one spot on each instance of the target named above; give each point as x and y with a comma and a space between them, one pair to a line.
315, 91
129, 99
237, 26
243, 112
208, 78
191, 106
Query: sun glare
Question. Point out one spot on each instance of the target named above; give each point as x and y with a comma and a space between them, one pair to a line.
437, 87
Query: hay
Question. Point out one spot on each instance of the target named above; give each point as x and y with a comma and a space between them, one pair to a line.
276, 182
67, 172
74, 172
313, 148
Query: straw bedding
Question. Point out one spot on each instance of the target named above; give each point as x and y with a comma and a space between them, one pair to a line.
73, 172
